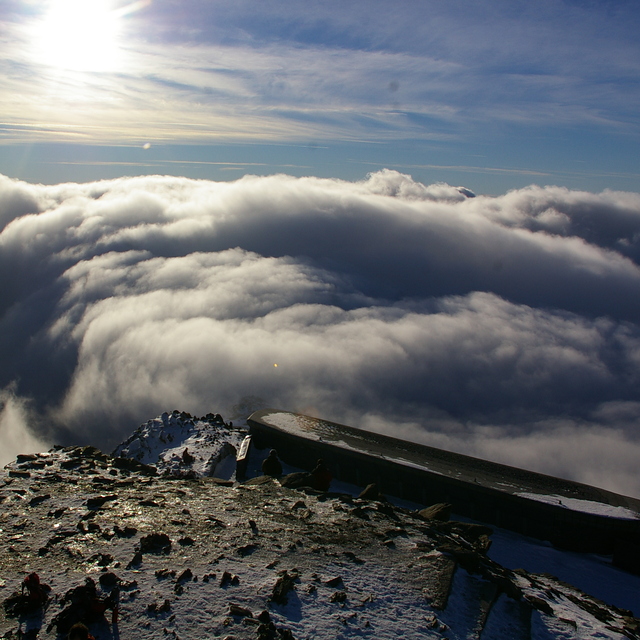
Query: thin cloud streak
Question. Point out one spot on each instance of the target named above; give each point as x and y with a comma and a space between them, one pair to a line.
505, 327
278, 83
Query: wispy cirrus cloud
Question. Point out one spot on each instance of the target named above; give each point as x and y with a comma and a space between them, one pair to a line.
207, 74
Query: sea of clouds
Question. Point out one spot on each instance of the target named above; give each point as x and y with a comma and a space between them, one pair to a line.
503, 327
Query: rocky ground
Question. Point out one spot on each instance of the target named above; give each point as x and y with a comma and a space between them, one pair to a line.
204, 557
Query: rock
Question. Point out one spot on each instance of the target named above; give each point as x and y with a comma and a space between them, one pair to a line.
165, 573
470, 531
283, 585
467, 558
102, 559
239, 611
90, 452
148, 503
187, 458
127, 532
109, 580
16, 473
297, 480
539, 604
186, 541
26, 457
130, 464
353, 557
97, 501
185, 576
155, 543
156, 608
259, 480
371, 492
338, 596
70, 464
38, 500
334, 582
440, 511
247, 550
229, 579
136, 560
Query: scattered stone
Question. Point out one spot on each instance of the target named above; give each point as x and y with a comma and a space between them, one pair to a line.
187, 541
109, 580
130, 464
156, 608
26, 457
97, 501
239, 611
73, 463
148, 503
165, 573
440, 511
102, 559
371, 492
338, 596
395, 532
229, 579
127, 532
39, 499
185, 576
468, 559
539, 604
334, 582
155, 543
16, 473
247, 550
136, 561
297, 480
283, 585
91, 527
353, 557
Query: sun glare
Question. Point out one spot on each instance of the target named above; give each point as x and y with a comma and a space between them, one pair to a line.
80, 35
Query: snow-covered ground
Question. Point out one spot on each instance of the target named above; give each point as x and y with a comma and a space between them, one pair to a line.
359, 569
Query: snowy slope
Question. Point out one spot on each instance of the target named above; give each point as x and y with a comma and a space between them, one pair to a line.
177, 444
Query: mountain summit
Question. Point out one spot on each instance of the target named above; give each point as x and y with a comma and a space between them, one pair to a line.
186, 554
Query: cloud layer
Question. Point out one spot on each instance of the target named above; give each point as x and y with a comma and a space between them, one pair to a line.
505, 327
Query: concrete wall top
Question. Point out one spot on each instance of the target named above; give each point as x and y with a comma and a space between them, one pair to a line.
566, 494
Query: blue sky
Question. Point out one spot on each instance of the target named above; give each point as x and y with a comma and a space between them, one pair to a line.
493, 95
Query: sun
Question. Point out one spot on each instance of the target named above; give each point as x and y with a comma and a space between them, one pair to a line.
80, 35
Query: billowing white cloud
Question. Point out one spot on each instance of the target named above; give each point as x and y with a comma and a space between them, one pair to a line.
504, 327
16, 435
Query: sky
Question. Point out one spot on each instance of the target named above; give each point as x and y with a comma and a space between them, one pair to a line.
493, 95
421, 219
